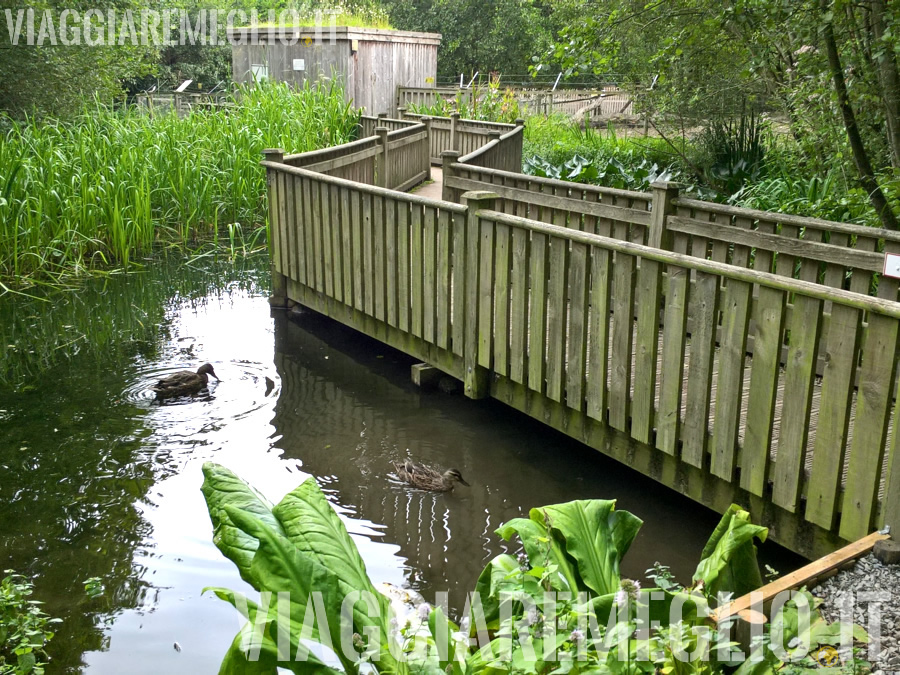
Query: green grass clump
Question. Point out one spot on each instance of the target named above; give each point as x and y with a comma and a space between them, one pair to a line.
96, 191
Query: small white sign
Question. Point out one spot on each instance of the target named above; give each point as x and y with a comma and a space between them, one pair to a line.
299, 64
892, 265
184, 85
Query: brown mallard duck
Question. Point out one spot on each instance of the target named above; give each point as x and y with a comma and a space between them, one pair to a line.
426, 478
184, 383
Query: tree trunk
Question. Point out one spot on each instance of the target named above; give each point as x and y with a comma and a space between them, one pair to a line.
890, 82
860, 156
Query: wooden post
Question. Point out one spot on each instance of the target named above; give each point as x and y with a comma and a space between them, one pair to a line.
448, 159
427, 122
381, 170
402, 111
454, 134
279, 280
476, 378
664, 192
382, 116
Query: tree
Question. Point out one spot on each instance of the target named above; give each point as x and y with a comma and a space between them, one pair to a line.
830, 66
479, 35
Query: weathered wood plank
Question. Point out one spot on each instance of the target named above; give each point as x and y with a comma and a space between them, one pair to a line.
346, 245
327, 239
840, 352
443, 299
501, 299
368, 253
763, 389
649, 294
390, 253
778, 243
538, 312
668, 421
518, 314
730, 383
704, 309
873, 408
576, 362
799, 379
416, 226
429, 271
337, 257
556, 318
458, 260
598, 363
358, 250
486, 294
403, 270
622, 335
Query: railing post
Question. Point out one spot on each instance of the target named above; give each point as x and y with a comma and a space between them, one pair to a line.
402, 111
381, 117
279, 280
664, 193
427, 122
476, 377
454, 133
517, 151
448, 159
382, 178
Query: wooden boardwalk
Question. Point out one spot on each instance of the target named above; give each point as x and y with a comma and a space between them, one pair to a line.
736, 356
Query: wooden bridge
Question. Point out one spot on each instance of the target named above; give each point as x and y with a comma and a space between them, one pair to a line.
733, 355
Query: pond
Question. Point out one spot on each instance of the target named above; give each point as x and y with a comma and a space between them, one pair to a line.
97, 480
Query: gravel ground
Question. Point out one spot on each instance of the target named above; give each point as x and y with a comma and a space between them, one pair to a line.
868, 580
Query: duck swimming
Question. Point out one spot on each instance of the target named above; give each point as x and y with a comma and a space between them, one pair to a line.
426, 478
184, 383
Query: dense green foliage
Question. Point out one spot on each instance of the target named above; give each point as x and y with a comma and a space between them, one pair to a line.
562, 606
112, 183
25, 630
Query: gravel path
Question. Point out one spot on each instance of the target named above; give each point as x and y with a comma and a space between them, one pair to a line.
869, 586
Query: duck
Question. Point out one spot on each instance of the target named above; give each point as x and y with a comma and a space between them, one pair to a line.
184, 383
427, 478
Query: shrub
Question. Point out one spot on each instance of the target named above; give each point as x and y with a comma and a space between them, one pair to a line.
24, 629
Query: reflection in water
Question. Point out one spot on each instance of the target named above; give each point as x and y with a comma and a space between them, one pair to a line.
98, 480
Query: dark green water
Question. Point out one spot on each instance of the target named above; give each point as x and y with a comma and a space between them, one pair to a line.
95, 481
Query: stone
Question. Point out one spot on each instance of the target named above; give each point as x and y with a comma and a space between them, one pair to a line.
888, 551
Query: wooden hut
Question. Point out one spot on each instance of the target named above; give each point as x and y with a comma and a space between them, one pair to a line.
371, 62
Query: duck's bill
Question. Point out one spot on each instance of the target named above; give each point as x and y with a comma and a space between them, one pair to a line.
461, 480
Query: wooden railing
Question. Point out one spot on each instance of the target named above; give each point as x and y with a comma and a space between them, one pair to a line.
467, 136
734, 355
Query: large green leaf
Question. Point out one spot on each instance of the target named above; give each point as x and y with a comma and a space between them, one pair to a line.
312, 525
223, 488
596, 536
728, 563
282, 567
543, 550
487, 590
240, 660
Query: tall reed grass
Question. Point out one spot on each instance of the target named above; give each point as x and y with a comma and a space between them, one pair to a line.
108, 186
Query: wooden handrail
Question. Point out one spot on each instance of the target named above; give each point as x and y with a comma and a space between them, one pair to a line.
787, 219
615, 192
370, 189
334, 151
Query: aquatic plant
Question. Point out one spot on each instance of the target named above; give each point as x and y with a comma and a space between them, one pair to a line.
542, 612
25, 630
99, 190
